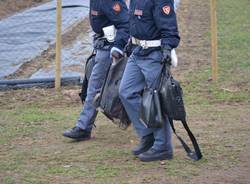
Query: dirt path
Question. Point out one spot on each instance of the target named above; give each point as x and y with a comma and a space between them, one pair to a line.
9, 7
27, 34
194, 55
46, 60
193, 52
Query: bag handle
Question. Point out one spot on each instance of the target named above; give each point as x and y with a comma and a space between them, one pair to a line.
196, 154
157, 83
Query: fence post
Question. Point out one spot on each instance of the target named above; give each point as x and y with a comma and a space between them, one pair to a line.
214, 40
58, 45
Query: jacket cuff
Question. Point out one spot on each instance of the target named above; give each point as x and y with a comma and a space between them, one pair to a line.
165, 44
117, 50
118, 46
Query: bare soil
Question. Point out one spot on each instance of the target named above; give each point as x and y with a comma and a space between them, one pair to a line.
47, 58
9, 7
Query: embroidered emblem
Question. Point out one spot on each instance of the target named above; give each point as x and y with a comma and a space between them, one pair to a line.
117, 7
93, 12
166, 9
138, 12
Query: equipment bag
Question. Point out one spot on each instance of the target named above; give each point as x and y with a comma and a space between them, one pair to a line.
88, 69
171, 96
108, 100
150, 111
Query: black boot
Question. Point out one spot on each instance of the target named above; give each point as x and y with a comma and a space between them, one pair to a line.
145, 144
77, 134
154, 155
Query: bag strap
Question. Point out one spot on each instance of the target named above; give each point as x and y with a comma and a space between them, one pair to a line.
196, 154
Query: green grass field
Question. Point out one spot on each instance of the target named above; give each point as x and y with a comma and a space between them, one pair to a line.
32, 149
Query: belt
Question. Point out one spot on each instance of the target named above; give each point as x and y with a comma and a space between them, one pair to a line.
146, 43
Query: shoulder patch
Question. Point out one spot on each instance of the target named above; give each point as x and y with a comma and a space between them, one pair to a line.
138, 12
95, 13
117, 7
166, 9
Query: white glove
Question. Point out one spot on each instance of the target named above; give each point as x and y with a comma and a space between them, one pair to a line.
174, 59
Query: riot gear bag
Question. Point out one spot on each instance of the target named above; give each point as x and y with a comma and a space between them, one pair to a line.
172, 97
88, 69
150, 110
108, 100
172, 104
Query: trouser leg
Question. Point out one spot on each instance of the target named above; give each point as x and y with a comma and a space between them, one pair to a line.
151, 68
141, 71
163, 137
131, 86
99, 72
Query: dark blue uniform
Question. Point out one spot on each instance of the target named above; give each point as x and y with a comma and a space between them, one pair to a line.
149, 20
104, 13
154, 20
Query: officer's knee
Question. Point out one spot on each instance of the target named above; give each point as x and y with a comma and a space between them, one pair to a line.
121, 95
123, 92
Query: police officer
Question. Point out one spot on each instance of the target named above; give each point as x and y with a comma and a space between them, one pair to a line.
154, 32
109, 20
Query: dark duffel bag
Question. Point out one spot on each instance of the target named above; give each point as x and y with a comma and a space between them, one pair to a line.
150, 111
108, 100
172, 104
88, 69
172, 97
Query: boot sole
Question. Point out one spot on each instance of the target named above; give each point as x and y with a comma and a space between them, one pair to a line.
150, 159
78, 139
137, 153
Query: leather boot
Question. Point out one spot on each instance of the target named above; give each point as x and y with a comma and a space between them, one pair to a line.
145, 144
154, 155
77, 134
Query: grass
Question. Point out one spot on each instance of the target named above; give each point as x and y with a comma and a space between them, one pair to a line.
33, 119
42, 155
233, 58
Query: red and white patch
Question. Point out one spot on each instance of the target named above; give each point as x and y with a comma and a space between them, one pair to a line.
93, 12
166, 9
117, 8
138, 12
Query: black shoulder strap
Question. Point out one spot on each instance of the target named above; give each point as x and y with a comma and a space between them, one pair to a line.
196, 155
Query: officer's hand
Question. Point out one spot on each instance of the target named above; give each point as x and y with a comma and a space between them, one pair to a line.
128, 48
166, 52
116, 53
99, 43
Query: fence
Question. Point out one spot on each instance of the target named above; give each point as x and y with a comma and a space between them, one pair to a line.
28, 48
28, 40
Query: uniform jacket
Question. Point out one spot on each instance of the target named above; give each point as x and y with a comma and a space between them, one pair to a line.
104, 13
154, 20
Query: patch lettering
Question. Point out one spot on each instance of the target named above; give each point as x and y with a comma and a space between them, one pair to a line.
166, 9
117, 8
138, 12
93, 12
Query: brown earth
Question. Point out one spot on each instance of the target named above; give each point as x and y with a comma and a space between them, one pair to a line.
47, 58
9, 7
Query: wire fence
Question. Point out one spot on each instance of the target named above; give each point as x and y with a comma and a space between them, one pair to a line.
28, 40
